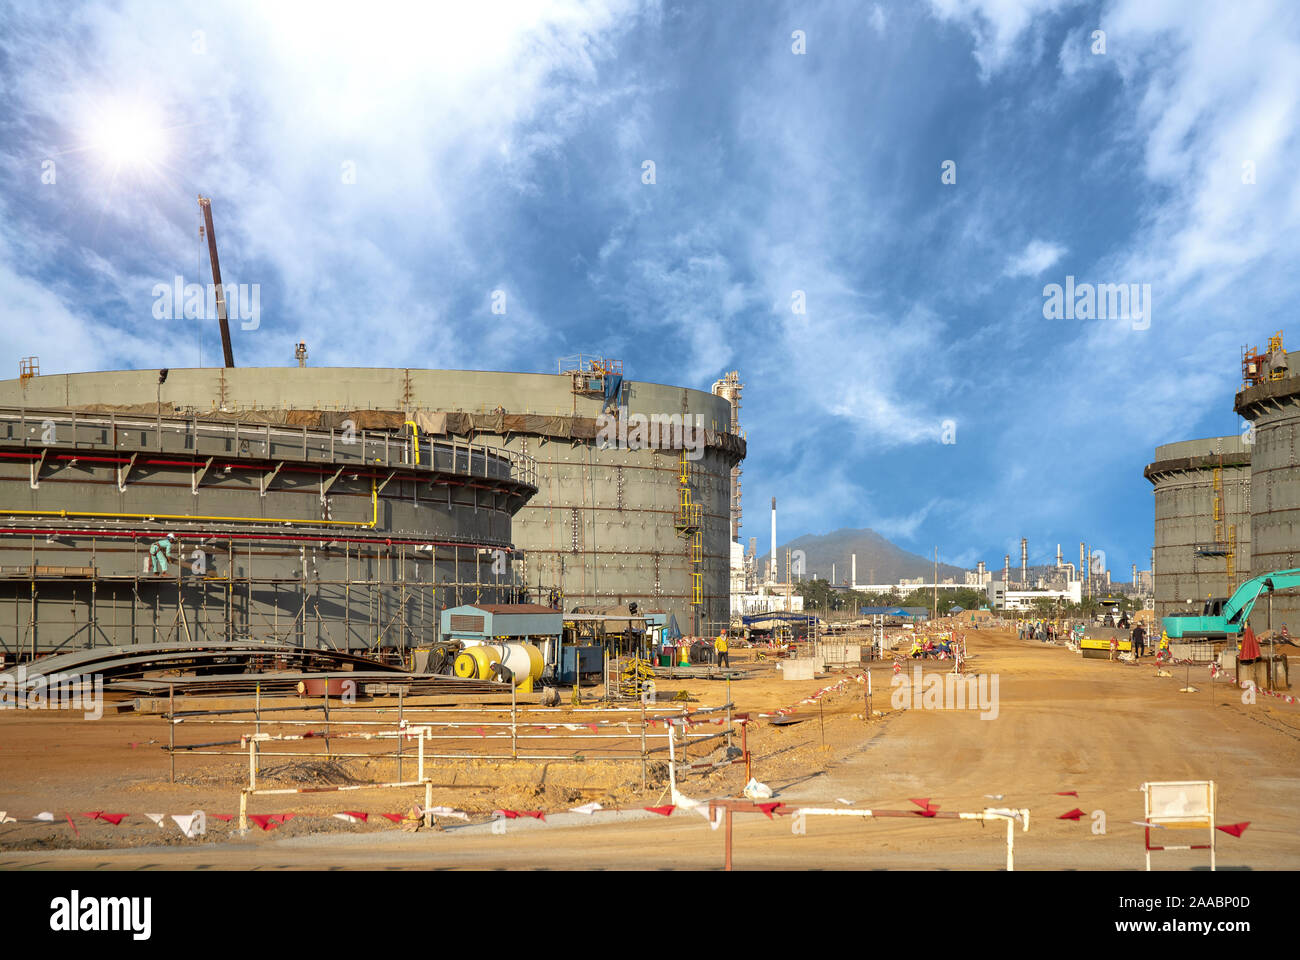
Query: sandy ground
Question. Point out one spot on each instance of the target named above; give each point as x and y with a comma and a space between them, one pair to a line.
1063, 724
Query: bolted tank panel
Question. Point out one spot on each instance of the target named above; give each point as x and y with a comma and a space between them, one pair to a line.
1191, 480
1273, 408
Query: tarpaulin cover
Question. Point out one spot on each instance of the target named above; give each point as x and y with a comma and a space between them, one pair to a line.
448, 423
613, 387
671, 630
1249, 645
435, 423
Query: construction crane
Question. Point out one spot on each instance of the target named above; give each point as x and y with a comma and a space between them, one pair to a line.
205, 205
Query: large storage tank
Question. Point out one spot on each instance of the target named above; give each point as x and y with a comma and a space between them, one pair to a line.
605, 526
1203, 536
317, 534
1273, 407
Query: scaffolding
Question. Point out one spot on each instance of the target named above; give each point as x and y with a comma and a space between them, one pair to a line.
1261, 367
588, 373
297, 572
1224, 544
387, 617
730, 388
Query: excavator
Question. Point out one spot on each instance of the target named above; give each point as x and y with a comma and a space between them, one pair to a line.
1223, 618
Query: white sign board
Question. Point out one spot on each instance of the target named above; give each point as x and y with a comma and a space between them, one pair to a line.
1174, 804
1189, 802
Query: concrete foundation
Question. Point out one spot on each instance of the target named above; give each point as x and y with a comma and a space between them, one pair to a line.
798, 669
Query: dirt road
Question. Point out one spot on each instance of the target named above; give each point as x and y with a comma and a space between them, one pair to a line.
1062, 724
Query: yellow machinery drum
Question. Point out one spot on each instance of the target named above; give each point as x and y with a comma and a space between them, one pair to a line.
525, 662
476, 663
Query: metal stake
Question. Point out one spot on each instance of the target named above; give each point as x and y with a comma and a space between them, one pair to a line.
171, 727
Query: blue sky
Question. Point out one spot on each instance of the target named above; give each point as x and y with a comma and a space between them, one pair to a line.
502, 147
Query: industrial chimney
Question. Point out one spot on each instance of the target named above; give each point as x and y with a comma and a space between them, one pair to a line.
1058, 557
854, 581
773, 579
1024, 562
1006, 570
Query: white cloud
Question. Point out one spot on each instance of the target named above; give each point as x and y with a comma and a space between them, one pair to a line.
997, 25
1034, 259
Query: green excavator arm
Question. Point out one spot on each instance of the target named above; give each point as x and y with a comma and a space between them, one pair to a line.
1239, 606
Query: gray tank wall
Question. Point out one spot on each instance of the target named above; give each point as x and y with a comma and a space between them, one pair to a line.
1184, 518
1274, 409
625, 501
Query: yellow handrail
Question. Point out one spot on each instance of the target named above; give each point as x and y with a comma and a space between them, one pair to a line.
411, 424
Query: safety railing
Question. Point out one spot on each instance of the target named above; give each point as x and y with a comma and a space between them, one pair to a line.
482, 733
199, 438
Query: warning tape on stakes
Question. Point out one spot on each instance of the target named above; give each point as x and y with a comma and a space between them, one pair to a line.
272, 820
193, 825
836, 687
1216, 671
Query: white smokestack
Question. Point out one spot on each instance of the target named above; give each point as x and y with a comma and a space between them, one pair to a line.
855, 570
1058, 557
774, 540
1024, 560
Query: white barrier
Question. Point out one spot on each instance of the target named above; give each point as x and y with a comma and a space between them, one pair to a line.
1009, 815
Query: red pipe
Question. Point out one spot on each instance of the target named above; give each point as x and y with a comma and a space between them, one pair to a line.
223, 535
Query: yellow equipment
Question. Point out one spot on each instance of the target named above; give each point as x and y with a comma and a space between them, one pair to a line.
1098, 648
634, 677
476, 662
524, 661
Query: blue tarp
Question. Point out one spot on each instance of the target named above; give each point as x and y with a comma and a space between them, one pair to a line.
916, 613
613, 386
671, 630
793, 617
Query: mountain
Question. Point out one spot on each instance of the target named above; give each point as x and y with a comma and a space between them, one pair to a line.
879, 561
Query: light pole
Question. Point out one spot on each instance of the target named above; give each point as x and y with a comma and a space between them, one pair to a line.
162, 378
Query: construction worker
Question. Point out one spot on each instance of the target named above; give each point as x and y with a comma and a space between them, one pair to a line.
1139, 641
160, 552
720, 645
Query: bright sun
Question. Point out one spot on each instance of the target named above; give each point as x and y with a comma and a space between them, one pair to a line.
128, 135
